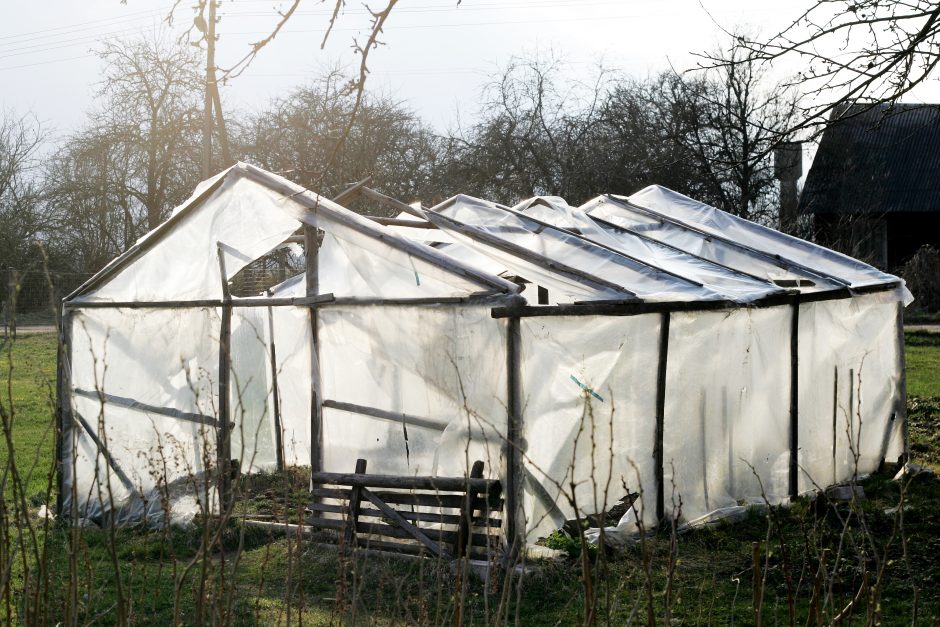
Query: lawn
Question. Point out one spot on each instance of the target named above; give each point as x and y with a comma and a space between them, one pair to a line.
239, 575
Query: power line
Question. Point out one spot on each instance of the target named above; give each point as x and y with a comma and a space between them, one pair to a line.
73, 27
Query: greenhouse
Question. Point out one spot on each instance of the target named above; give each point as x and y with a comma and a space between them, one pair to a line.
647, 350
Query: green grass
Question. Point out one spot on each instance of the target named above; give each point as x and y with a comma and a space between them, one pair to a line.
923, 363
27, 393
712, 580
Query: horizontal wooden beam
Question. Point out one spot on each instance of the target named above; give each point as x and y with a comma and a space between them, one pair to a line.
632, 308
301, 301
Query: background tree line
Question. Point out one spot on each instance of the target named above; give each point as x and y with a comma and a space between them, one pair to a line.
72, 205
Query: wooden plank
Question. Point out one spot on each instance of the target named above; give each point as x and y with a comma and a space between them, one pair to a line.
426, 499
352, 515
412, 224
330, 493
418, 482
404, 524
794, 476
661, 418
432, 517
386, 530
130, 403
329, 508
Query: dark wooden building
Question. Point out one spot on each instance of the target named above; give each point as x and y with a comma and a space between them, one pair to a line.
873, 190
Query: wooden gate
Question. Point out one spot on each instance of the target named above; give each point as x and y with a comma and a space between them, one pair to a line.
445, 517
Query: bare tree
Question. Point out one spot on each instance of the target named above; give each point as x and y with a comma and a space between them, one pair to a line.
730, 119
536, 134
23, 219
138, 156
297, 135
852, 51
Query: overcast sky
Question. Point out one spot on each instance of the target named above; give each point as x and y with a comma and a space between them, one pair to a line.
437, 55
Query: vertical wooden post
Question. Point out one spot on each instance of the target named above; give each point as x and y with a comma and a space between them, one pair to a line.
311, 248
794, 478
224, 433
355, 497
465, 527
515, 532
661, 418
64, 407
276, 395
835, 418
902, 385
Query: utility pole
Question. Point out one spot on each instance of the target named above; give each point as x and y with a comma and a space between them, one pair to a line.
210, 90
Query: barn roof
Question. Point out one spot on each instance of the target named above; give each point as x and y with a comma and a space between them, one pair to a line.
884, 159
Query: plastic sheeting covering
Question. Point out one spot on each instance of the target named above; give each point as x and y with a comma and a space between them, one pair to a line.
851, 399
712, 220
437, 373
589, 416
145, 383
727, 414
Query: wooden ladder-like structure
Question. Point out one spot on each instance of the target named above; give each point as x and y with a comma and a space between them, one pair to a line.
442, 517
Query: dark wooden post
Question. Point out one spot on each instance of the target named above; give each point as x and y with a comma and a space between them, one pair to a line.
311, 250
224, 433
661, 418
64, 406
465, 527
515, 536
795, 399
276, 395
355, 497
902, 400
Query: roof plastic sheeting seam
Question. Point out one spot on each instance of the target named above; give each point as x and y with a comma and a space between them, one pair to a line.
773, 257
521, 252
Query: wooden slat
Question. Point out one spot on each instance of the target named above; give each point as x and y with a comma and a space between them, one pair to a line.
477, 538
442, 484
328, 508
404, 524
330, 493
428, 517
